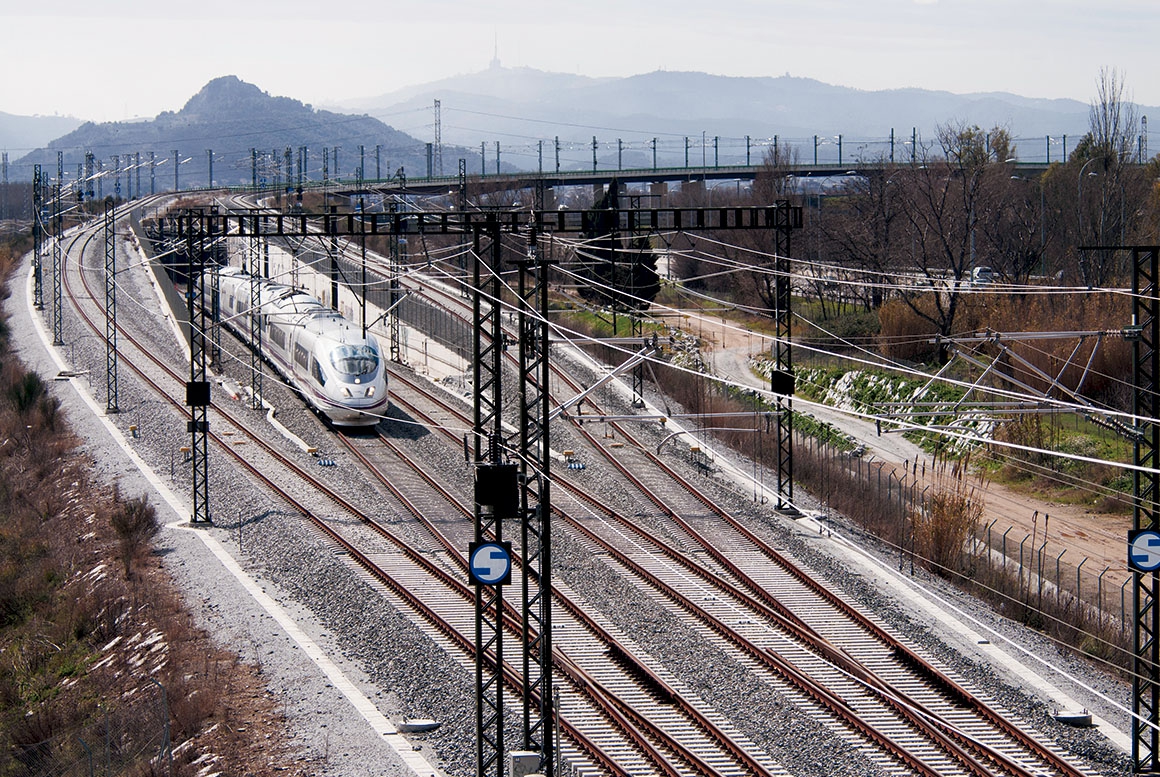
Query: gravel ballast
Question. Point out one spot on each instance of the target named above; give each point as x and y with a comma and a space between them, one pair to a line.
401, 669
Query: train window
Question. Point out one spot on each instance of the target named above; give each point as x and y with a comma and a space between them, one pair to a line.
354, 360
316, 371
278, 336
302, 356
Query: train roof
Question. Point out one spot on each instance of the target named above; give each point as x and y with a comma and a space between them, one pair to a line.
297, 308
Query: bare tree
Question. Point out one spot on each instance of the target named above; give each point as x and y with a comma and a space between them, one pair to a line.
1112, 119
945, 200
1108, 185
861, 230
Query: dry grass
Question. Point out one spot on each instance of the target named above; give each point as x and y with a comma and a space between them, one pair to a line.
74, 623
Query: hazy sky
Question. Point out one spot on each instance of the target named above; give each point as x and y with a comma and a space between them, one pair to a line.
135, 58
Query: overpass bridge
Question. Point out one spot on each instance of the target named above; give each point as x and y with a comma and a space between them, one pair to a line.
514, 180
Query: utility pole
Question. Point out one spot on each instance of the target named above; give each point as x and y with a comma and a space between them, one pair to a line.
438, 140
176, 164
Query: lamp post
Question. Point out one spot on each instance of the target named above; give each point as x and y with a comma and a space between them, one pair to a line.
1079, 194
1079, 218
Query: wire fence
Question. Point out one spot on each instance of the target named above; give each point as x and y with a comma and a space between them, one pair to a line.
1039, 571
131, 738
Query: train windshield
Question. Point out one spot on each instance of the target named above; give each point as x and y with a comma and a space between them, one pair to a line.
354, 360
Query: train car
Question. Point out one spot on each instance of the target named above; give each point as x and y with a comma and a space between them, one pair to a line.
337, 370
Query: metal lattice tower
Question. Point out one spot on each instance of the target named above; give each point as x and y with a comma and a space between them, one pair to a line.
395, 289
536, 507
487, 344
37, 236
88, 183
197, 389
255, 245
637, 323
110, 309
438, 139
215, 302
1146, 513
58, 239
462, 185
783, 380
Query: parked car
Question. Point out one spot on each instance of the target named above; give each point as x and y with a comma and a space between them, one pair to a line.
981, 276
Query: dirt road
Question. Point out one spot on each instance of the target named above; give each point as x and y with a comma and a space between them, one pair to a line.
1066, 537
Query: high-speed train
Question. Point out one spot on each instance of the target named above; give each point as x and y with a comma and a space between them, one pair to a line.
339, 372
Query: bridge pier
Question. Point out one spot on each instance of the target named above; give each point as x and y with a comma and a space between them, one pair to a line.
694, 189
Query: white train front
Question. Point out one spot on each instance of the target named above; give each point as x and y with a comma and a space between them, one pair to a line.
337, 370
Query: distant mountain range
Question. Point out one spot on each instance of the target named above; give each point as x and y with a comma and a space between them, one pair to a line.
525, 118
18, 134
523, 107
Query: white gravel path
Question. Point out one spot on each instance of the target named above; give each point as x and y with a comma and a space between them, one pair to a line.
318, 690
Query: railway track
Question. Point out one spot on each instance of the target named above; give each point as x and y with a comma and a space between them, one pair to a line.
620, 715
901, 694
893, 703
624, 713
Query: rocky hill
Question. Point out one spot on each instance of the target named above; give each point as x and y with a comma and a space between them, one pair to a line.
231, 117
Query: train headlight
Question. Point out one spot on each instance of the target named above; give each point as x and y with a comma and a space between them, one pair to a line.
346, 392
370, 391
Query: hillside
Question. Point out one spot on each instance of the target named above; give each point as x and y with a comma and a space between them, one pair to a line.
231, 117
